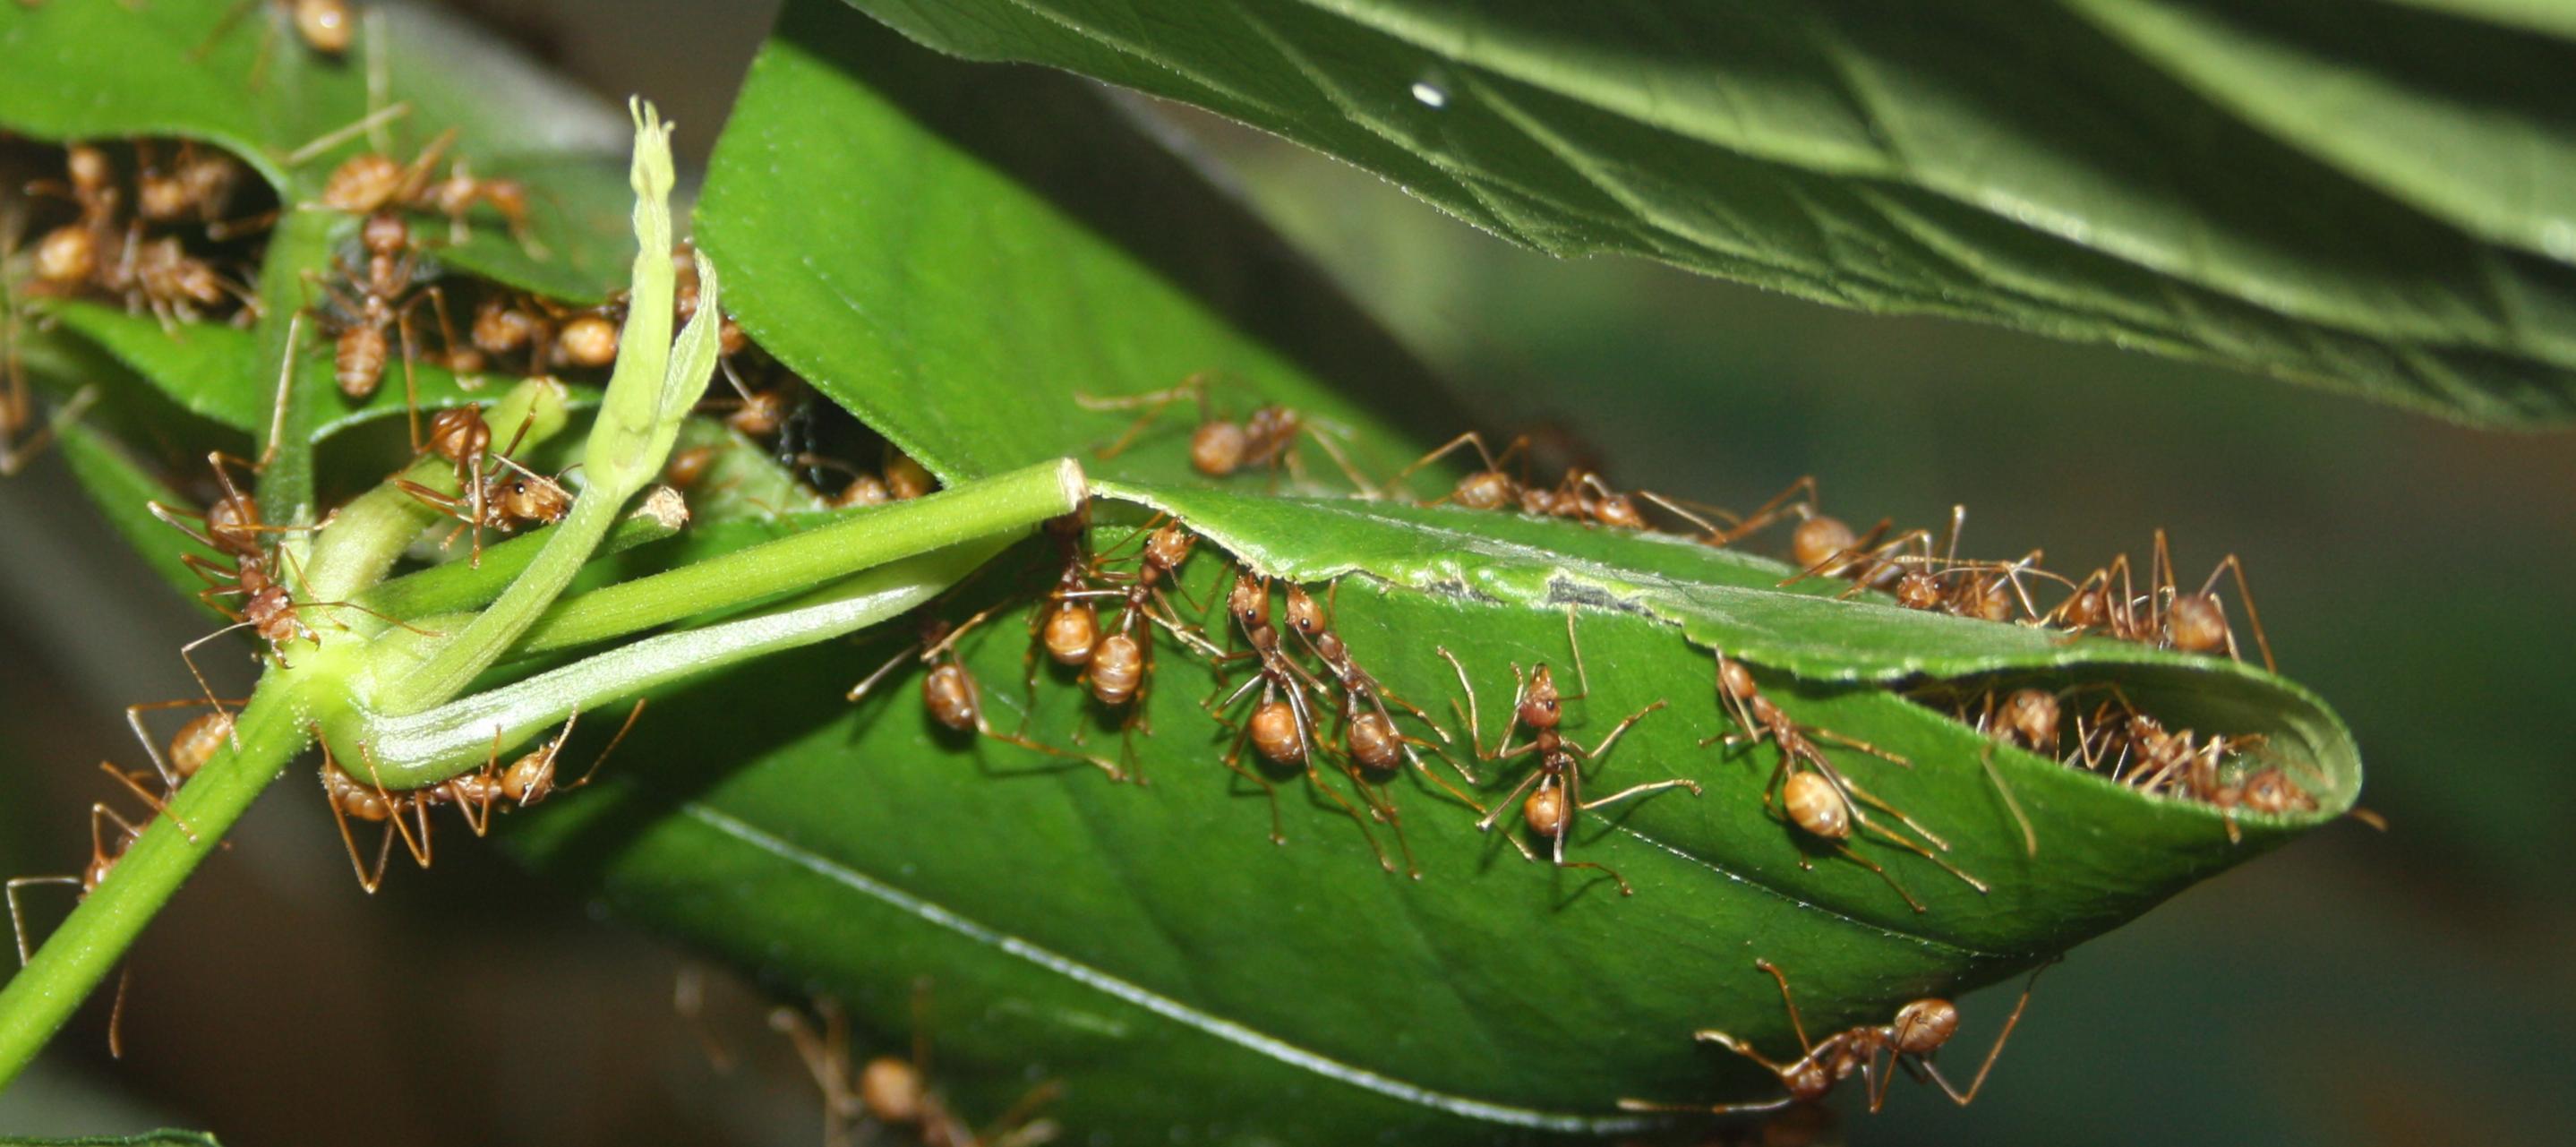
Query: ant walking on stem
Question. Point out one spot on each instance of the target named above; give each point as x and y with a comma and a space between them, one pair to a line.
1919, 1031
1220, 446
1549, 811
1817, 797
105, 851
950, 693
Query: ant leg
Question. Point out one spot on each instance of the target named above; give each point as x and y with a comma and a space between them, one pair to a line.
1510, 800
17, 921
186, 654
2010, 1022
1470, 438
2029, 835
159, 807
1832, 737
116, 1014
2246, 594
418, 848
1873, 866
1779, 506
1234, 760
1475, 737
860, 690
1594, 753
1604, 869
1342, 460
1153, 402
134, 720
631, 716
1787, 1001
1635, 790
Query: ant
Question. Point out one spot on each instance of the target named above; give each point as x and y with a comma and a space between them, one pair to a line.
1283, 731
500, 499
323, 25
1369, 734
199, 183
1582, 494
363, 305
196, 742
1220, 447
951, 695
1816, 796
1116, 665
70, 256
18, 444
1918, 1032
1550, 809
526, 781
2196, 622
895, 1091
104, 853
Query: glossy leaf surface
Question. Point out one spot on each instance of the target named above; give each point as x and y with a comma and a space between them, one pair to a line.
2192, 178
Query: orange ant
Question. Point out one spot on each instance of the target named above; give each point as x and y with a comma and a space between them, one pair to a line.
1117, 665
1220, 447
499, 499
195, 744
68, 257
1582, 494
104, 854
18, 444
894, 1091
1918, 1032
1369, 734
526, 781
2197, 622
951, 695
199, 183
1549, 811
1283, 731
361, 307
1817, 797
323, 25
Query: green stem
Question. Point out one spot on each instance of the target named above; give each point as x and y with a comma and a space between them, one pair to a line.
426, 748
1003, 504
79, 954
459, 586
301, 242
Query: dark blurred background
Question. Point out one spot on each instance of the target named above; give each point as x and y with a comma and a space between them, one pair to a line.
2353, 988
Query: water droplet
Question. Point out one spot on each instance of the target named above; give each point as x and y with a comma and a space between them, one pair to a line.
1432, 95
2558, 239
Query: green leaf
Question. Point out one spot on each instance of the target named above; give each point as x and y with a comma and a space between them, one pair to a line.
1301, 990
878, 214
2194, 179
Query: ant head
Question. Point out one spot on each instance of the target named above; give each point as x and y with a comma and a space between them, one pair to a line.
2271, 791
2031, 714
1304, 615
1918, 590
1484, 490
384, 233
1169, 545
1817, 806
1540, 708
1249, 601
1923, 1026
88, 167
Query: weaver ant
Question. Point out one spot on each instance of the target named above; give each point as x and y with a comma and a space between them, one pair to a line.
199, 182
895, 1091
362, 306
1582, 494
1549, 811
2196, 622
104, 853
951, 695
323, 25
526, 781
1117, 662
1918, 1032
1220, 447
1283, 730
500, 499
1815, 796
1369, 734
